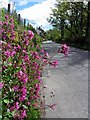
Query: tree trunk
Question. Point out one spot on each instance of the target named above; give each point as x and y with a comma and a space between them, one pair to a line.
71, 23
81, 21
88, 24
76, 23
62, 27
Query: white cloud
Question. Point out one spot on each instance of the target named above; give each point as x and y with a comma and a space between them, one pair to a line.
4, 3
39, 12
23, 2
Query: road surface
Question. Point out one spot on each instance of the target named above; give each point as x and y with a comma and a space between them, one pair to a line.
68, 82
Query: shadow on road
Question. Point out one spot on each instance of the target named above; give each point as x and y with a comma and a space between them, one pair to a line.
77, 57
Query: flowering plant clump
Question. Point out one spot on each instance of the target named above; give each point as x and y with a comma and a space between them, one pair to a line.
22, 67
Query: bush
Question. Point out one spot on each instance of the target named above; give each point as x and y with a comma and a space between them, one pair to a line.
22, 67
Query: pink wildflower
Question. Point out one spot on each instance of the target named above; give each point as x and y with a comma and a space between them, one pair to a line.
65, 49
35, 55
24, 51
16, 88
17, 105
37, 87
12, 108
40, 81
42, 51
12, 26
24, 66
46, 55
35, 65
1, 23
24, 90
1, 31
37, 46
27, 42
34, 104
6, 17
12, 35
19, 47
45, 61
13, 53
22, 98
7, 53
21, 73
9, 46
28, 103
6, 23
4, 67
1, 85
11, 20
22, 76
30, 34
23, 114
45, 86
54, 63
26, 59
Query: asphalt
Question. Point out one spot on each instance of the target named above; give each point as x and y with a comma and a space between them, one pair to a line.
68, 82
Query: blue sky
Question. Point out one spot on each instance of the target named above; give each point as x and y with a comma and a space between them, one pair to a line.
36, 11
22, 4
29, 4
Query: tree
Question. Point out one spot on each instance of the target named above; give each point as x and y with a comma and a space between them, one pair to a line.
88, 23
53, 34
71, 17
58, 17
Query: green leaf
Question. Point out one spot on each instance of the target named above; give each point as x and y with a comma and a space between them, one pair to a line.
25, 106
6, 101
0, 117
6, 118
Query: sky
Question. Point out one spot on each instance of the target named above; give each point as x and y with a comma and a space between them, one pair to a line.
36, 11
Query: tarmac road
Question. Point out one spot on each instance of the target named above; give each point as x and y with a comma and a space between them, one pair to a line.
68, 82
